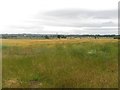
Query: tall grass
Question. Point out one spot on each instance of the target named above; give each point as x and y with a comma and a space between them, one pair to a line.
61, 65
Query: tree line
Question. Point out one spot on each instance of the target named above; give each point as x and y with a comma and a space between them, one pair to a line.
54, 36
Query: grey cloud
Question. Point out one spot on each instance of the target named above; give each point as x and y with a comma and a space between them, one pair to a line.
71, 13
69, 23
103, 28
91, 21
97, 30
79, 18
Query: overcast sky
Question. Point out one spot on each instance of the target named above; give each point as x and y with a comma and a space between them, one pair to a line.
59, 16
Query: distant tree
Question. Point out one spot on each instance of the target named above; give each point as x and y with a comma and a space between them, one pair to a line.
46, 37
95, 37
58, 36
117, 37
63, 36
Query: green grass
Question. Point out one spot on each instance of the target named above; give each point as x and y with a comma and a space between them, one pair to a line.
61, 65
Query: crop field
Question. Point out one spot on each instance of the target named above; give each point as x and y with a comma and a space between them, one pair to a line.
60, 63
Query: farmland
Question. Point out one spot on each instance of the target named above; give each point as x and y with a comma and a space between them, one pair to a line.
60, 63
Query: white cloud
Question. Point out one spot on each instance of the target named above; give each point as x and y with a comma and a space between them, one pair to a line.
19, 16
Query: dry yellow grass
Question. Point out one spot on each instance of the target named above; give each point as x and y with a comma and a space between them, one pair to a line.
26, 42
60, 63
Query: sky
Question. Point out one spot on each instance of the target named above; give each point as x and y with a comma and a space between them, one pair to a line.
59, 16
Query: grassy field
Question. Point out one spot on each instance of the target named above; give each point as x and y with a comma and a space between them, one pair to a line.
73, 63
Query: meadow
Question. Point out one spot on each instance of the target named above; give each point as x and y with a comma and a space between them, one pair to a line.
54, 63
